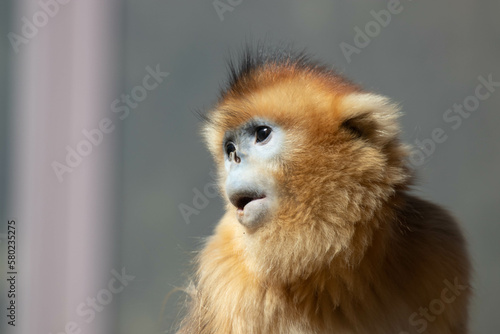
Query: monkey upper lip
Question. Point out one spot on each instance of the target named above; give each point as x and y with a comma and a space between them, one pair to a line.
241, 200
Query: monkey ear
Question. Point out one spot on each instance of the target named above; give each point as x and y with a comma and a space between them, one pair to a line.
370, 116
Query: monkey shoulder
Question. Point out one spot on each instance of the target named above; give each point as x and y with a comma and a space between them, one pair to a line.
427, 241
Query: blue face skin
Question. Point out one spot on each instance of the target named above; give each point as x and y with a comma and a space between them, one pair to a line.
251, 153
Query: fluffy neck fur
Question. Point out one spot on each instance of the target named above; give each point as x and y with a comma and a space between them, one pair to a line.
239, 291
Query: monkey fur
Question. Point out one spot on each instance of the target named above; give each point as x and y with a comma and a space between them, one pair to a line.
343, 248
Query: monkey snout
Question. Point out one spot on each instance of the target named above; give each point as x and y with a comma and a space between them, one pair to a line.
250, 194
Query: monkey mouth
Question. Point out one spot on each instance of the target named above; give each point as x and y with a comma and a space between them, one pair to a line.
251, 206
240, 201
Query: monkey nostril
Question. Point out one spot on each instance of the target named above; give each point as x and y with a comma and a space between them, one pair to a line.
234, 157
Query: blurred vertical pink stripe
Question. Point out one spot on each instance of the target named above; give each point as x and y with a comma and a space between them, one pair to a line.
64, 82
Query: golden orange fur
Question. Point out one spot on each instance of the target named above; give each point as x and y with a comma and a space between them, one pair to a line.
349, 250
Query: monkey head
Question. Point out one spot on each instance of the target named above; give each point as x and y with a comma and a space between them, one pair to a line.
305, 160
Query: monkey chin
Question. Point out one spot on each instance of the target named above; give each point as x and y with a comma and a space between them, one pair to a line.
253, 213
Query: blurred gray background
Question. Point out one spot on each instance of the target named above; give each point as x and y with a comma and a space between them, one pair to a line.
427, 58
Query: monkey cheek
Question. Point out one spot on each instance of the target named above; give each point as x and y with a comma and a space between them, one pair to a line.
254, 213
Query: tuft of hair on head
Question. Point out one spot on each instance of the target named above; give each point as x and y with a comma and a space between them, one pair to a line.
253, 58
261, 56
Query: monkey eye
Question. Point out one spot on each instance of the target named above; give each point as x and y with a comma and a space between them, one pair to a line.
261, 133
230, 148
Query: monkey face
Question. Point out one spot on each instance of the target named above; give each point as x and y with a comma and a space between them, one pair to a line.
250, 151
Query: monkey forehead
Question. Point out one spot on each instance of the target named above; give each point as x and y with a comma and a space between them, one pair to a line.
300, 102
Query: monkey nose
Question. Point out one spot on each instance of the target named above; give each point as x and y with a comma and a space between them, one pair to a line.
233, 156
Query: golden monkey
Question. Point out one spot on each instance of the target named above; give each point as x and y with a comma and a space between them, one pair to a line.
320, 234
